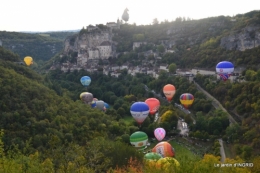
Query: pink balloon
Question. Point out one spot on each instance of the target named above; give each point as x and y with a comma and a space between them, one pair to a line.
159, 133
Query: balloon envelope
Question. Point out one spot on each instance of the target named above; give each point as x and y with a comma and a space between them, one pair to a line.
167, 163
164, 149
159, 133
93, 104
153, 104
169, 91
139, 139
186, 100
86, 97
100, 105
139, 111
106, 105
28, 60
152, 156
85, 81
224, 69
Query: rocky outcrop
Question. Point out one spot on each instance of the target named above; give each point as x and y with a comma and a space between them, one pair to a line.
89, 44
248, 38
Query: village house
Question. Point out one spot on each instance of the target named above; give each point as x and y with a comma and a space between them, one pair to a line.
114, 25
105, 50
138, 44
164, 67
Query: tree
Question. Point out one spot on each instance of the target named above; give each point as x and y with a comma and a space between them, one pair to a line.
155, 21
172, 68
160, 48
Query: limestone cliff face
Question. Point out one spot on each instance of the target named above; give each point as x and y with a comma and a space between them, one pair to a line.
88, 45
247, 38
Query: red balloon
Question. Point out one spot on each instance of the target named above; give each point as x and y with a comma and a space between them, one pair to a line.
153, 104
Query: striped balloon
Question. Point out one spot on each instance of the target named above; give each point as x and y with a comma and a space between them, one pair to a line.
186, 100
139, 139
159, 133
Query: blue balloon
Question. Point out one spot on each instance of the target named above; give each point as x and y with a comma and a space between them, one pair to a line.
85, 81
139, 111
93, 104
224, 69
106, 105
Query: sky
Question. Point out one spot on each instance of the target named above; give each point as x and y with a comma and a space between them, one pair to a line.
57, 15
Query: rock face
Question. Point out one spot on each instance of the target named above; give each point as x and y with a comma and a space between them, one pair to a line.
93, 44
248, 38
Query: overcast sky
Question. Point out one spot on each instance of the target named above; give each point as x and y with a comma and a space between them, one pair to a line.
57, 15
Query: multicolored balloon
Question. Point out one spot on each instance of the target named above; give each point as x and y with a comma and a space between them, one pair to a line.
85, 81
186, 100
28, 60
159, 133
164, 149
139, 111
139, 139
154, 105
93, 103
224, 69
169, 91
86, 97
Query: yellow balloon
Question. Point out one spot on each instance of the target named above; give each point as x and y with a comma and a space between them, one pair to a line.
28, 60
168, 164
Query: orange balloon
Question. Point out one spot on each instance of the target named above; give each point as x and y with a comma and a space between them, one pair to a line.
153, 104
169, 91
164, 149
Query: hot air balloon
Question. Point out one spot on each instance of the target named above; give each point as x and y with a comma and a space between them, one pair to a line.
125, 15
186, 100
100, 104
152, 156
85, 81
139, 111
164, 149
159, 133
167, 163
106, 105
224, 69
86, 97
153, 104
93, 104
28, 60
169, 91
139, 139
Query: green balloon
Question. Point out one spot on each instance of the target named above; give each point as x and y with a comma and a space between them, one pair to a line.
139, 139
152, 156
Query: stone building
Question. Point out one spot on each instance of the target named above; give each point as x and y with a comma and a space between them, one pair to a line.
105, 50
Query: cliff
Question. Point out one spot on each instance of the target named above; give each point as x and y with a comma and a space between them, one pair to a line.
247, 38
